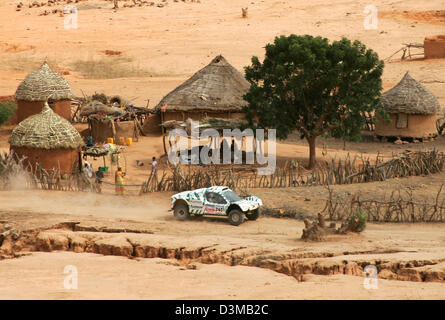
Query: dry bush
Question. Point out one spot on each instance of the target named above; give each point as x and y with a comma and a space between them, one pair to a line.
399, 206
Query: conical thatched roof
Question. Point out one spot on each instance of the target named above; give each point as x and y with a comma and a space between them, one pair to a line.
45, 130
42, 85
409, 96
216, 87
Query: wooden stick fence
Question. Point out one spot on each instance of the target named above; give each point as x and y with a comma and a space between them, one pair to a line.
400, 206
346, 171
15, 174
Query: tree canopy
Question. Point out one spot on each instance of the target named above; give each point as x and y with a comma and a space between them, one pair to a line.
307, 84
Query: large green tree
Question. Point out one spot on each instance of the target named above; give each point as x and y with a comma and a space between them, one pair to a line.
307, 84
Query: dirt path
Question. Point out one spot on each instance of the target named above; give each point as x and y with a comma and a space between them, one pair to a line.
403, 253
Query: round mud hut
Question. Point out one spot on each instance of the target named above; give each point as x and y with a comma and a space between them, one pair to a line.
413, 111
40, 86
216, 91
49, 140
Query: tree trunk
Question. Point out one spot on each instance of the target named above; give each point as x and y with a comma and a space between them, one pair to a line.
312, 156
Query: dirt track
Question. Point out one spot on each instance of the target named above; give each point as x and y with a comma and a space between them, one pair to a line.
408, 252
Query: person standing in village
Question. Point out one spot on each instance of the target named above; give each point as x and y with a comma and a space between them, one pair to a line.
154, 166
88, 169
116, 6
119, 181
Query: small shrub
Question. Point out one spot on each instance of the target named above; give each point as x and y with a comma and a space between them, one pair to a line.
6, 111
359, 220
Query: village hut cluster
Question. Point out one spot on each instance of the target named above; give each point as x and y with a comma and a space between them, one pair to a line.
213, 96
45, 136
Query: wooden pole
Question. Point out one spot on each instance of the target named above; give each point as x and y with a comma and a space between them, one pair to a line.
163, 142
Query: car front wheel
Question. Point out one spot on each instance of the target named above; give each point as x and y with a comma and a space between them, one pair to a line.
253, 215
181, 212
236, 217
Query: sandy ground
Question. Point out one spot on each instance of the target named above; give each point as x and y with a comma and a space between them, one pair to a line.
105, 277
169, 44
40, 275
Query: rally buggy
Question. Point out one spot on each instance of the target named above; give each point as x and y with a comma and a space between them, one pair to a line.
216, 201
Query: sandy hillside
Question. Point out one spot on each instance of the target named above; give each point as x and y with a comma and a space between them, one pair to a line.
158, 48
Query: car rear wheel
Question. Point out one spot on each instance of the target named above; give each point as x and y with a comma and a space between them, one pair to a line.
253, 215
181, 211
236, 217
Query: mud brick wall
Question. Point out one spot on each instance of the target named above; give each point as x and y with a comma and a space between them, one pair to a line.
49, 159
434, 47
419, 126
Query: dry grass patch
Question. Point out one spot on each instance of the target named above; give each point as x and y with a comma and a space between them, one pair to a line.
21, 63
112, 67
27, 63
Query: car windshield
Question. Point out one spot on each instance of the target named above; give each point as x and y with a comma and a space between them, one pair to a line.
231, 196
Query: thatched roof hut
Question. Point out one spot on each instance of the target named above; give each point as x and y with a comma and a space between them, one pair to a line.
215, 91
409, 96
43, 84
46, 130
413, 110
48, 139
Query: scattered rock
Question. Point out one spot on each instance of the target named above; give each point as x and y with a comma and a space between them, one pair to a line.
15, 235
406, 274
116, 246
49, 241
191, 266
387, 274
314, 231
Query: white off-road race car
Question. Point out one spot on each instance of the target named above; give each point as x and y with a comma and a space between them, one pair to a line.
216, 201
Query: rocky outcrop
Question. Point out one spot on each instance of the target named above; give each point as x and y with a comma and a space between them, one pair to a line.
188, 250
